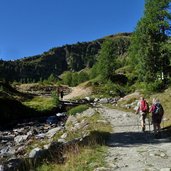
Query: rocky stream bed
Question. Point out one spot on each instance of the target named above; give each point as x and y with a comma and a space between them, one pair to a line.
14, 141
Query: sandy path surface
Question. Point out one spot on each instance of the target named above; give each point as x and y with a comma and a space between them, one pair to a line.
132, 150
78, 92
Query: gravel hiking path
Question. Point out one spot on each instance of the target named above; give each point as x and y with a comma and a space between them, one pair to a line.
132, 150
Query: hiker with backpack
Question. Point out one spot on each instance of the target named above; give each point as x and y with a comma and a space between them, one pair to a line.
142, 109
157, 115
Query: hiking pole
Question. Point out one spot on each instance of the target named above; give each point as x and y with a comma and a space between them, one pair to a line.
149, 121
163, 119
138, 121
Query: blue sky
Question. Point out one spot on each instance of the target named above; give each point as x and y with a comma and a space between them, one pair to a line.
31, 27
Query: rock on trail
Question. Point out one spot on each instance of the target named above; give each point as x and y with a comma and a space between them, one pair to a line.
132, 150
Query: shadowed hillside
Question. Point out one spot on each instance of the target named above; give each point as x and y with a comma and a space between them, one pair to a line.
14, 105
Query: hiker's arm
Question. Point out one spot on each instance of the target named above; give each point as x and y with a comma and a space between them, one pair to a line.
152, 108
138, 109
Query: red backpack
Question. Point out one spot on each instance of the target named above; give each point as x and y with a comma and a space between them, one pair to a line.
144, 106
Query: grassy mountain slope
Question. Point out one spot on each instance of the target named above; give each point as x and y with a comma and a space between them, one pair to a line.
57, 60
16, 106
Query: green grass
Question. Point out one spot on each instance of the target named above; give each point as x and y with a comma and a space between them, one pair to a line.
98, 126
40, 103
84, 157
77, 109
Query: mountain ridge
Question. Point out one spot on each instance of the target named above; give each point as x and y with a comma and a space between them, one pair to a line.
73, 57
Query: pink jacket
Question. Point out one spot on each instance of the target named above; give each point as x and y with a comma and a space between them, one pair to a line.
152, 108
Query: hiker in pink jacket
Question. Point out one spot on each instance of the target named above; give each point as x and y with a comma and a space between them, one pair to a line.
157, 115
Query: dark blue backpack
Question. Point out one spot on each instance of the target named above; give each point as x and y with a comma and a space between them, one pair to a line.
158, 109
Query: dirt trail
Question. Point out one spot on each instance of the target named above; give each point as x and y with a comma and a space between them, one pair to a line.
78, 92
132, 150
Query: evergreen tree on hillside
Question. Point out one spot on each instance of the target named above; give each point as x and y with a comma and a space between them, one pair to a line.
52, 78
82, 77
149, 52
106, 64
67, 78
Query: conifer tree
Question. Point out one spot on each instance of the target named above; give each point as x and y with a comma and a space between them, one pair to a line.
149, 52
106, 64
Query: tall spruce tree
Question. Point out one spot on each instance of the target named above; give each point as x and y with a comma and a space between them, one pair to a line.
149, 52
106, 64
